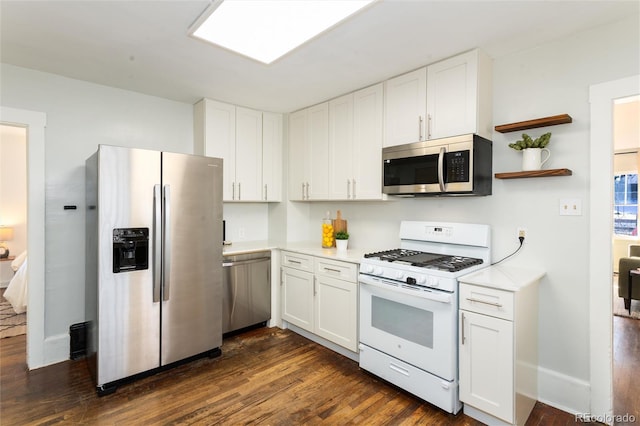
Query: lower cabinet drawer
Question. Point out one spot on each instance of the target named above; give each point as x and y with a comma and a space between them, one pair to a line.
487, 301
336, 269
299, 261
437, 391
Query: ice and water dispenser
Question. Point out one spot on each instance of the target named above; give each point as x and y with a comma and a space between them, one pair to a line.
130, 249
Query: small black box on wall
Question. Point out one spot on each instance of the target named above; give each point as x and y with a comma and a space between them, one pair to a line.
78, 334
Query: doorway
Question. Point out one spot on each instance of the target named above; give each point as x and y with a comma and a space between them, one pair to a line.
35, 123
602, 98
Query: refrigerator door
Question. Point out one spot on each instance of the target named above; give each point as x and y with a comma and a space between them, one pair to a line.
128, 319
192, 252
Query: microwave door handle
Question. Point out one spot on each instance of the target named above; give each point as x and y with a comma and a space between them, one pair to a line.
441, 168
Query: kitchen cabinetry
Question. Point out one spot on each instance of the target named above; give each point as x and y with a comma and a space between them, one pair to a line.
249, 143
355, 145
459, 93
405, 108
498, 344
321, 296
309, 153
448, 98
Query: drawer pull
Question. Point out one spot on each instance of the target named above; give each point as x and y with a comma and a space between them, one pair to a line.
497, 305
332, 270
399, 369
297, 262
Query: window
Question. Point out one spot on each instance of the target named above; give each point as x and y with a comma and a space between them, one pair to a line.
625, 204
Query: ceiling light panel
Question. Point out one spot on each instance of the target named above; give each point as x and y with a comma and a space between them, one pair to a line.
265, 30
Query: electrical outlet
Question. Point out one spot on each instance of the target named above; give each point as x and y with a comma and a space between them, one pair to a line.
241, 233
570, 207
522, 233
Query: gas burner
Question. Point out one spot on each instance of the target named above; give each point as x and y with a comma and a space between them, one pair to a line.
425, 260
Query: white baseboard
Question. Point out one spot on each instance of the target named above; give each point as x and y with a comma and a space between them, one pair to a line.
563, 392
56, 349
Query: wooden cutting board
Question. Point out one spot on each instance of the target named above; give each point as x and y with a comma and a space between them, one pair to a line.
339, 224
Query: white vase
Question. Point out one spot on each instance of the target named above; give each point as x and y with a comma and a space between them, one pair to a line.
341, 245
532, 158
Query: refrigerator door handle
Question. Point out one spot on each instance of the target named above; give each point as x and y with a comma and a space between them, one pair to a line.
157, 243
166, 248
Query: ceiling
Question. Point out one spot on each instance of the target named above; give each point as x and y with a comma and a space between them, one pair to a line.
143, 46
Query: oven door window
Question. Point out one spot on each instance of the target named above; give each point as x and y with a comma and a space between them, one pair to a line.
393, 317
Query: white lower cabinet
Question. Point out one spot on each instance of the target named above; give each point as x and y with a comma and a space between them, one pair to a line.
323, 302
498, 344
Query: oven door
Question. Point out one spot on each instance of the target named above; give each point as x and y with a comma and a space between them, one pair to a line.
417, 327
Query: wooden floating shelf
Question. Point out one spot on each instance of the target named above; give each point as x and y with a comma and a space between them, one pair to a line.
534, 174
532, 124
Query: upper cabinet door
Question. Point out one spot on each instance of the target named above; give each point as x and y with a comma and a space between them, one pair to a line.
405, 108
298, 155
271, 156
215, 136
318, 137
248, 179
368, 115
459, 96
341, 147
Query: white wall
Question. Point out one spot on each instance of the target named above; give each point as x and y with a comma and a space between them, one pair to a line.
547, 80
80, 116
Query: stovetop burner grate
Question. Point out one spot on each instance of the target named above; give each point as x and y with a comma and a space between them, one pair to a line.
425, 260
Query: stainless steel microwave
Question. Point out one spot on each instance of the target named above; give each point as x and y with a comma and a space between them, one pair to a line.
458, 165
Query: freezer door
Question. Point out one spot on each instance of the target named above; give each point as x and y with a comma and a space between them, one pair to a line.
128, 329
192, 252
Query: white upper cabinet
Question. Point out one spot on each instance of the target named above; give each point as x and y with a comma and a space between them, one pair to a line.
309, 153
215, 136
405, 108
368, 116
236, 135
272, 156
247, 184
341, 148
448, 98
459, 92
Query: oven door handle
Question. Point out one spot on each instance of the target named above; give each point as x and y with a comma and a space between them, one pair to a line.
435, 295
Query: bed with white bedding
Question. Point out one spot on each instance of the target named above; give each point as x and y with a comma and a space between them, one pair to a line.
16, 292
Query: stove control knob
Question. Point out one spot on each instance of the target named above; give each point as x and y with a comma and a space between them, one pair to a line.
421, 280
378, 271
367, 269
433, 282
400, 275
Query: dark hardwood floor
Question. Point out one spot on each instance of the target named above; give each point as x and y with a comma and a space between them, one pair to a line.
626, 372
264, 376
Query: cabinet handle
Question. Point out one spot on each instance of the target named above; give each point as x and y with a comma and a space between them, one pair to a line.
462, 326
314, 286
303, 190
332, 270
233, 191
348, 189
419, 127
239, 191
297, 262
266, 198
428, 126
307, 190
353, 183
497, 305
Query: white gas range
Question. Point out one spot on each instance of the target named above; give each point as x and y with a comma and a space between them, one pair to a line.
409, 307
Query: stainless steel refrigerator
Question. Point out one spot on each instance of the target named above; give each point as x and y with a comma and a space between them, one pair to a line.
153, 261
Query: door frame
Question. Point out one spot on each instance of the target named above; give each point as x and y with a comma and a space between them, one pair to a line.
601, 97
35, 123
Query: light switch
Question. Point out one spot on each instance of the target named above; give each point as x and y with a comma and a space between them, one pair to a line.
570, 207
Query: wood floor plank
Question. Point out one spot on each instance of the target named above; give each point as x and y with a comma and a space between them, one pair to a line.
265, 376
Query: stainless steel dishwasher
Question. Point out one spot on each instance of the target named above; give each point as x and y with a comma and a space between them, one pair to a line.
246, 290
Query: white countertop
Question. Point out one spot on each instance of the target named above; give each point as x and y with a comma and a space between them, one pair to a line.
310, 248
503, 277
